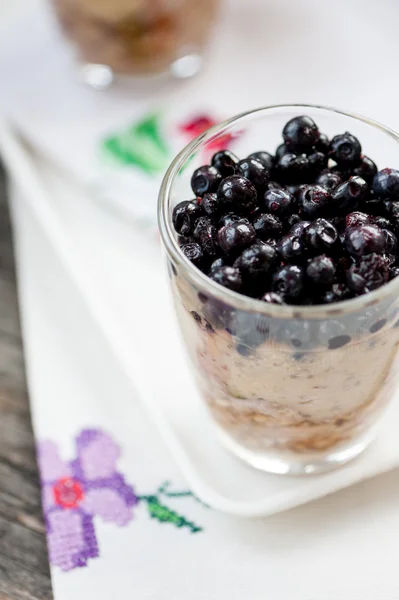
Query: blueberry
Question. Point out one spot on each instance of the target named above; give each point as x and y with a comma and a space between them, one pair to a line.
184, 216
320, 271
321, 236
373, 206
365, 239
347, 195
381, 222
301, 134
206, 234
265, 158
288, 282
391, 208
378, 325
269, 241
370, 273
314, 200
255, 171
317, 162
323, 143
267, 225
292, 249
219, 262
338, 293
273, 185
238, 192
329, 180
194, 253
386, 183
298, 229
338, 341
356, 219
293, 220
295, 189
279, 202
228, 277
231, 218
236, 237
251, 330
225, 162
345, 149
365, 169
256, 261
339, 223
211, 205
273, 298
393, 272
293, 168
391, 241
218, 314
205, 179
280, 151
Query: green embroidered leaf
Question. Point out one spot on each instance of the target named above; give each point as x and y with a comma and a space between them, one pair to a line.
141, 145
149, 127
163, 514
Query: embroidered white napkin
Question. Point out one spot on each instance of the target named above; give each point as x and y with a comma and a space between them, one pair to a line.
121, 522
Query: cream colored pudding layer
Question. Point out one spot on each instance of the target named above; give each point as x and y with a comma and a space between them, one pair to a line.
278, 398
135, 36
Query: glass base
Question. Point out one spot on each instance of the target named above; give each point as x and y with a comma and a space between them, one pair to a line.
290, 463
101, 77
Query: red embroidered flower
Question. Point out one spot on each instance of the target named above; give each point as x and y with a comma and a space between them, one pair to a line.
68, 492
195, 126
198, 125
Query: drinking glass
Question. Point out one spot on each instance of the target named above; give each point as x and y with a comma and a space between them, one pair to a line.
289, 389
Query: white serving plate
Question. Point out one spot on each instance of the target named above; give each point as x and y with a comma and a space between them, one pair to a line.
119, 275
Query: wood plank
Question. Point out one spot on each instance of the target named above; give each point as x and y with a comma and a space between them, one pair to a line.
24, 571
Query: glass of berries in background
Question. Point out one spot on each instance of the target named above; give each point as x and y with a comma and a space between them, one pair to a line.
283, 258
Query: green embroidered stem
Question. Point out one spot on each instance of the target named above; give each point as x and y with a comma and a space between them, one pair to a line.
164, 487
163, 490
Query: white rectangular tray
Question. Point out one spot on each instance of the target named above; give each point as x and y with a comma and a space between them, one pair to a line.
119, 275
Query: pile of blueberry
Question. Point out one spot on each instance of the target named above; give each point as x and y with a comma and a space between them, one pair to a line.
315, 223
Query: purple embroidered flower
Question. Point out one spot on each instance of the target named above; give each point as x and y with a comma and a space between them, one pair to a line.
74, 492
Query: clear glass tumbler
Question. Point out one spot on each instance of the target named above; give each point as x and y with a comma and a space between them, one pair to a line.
289, 389
137, 37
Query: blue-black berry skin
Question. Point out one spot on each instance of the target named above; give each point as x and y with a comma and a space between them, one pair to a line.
237, 193
255, 171
365, 239
225, 162
184, 216
349, 195
314, 223
345, 149
236, 237
321, 271
314, 201
386, 184
205, 179
257, 261
279, 202
293, 168
301, 134
268, 225
265, 158
228, 277
288, 282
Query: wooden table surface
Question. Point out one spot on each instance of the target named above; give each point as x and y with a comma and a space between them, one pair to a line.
24, 571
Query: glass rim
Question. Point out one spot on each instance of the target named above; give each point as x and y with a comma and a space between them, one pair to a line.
241, 302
